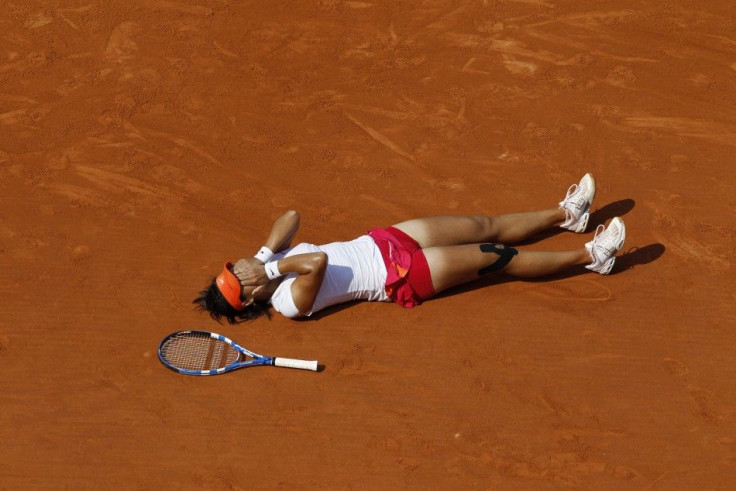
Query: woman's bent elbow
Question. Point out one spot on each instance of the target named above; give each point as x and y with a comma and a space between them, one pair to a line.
320, 260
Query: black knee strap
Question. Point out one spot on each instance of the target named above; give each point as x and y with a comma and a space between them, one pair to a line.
506, 254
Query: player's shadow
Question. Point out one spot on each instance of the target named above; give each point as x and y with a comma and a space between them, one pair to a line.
638, 255
333, 309
601, 215
615, 209
633, 257
485, 282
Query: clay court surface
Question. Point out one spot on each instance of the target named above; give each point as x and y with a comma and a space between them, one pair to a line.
144, 143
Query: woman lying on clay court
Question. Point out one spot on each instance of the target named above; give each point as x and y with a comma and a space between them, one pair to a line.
407, 263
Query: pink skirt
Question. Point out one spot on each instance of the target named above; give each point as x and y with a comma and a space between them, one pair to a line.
408, 279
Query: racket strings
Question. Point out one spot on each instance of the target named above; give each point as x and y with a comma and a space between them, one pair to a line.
198, 351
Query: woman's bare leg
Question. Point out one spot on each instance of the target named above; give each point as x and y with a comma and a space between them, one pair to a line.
449, 230
456, 265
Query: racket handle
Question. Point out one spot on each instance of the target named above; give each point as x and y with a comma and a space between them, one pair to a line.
290, 363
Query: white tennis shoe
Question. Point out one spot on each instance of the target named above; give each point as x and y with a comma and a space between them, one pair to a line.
577, 204
604, 246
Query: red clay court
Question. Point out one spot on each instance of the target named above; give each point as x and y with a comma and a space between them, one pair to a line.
144, 143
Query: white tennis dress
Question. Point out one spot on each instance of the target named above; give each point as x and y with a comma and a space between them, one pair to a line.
355, 271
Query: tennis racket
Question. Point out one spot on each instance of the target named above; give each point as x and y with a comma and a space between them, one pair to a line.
208, 353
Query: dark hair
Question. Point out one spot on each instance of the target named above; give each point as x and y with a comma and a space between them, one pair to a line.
213, 302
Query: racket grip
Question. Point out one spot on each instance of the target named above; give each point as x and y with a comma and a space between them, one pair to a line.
290, 363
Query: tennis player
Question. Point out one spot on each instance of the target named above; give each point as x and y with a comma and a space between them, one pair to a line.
407, 263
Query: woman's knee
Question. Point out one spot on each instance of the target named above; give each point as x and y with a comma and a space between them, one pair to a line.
486, 227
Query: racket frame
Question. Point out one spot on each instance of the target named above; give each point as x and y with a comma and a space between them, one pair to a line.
239, 363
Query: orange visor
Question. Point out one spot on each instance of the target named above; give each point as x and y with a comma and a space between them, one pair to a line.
229, 286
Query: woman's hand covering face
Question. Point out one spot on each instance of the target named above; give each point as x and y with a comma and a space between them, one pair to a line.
250, 272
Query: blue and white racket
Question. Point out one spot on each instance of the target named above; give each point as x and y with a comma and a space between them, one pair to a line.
208, 353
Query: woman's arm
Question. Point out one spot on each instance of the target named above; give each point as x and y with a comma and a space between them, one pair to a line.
310, 269
283, 231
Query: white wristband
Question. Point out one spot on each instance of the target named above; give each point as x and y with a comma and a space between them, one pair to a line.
272, 270
264, 254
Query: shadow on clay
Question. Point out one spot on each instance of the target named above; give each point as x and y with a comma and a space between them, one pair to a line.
491, 280
628, 260
615, 209
333, 309
636, 256
633, 257
600, 216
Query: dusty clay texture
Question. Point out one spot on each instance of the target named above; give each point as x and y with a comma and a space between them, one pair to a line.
145, 142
